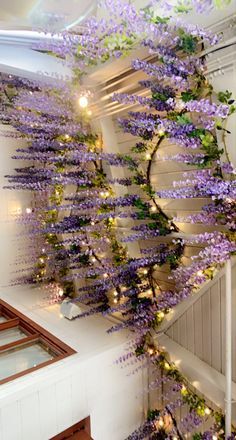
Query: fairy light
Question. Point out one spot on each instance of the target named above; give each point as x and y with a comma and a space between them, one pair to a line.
93, 259
167, 366
214, 437
61, 292
92, 223
153, 208
161, 423
107, 193
150, 351
102, 193
115, 293
115, 300
199, 273
148, 156
67, 136
105, 275
207, 411
28, 210
161, 315
83, 101
145, 271
160, 133
41, 260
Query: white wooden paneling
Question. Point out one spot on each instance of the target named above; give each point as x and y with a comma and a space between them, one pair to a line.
201, 328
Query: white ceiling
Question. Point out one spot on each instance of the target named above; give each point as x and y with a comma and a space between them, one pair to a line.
38, 13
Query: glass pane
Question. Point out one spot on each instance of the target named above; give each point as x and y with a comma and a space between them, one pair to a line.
2, 319
18, 359
11, 335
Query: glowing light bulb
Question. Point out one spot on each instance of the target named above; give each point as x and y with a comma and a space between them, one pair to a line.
66, 136
83, 101
161, 315
115, 293
200, 273
145, 271
166, 366
105, 275
148, 156
93, 259
207, 411
92, 223
175, 438
43, 250
161, 422
214, 437
28, 210
161, 133
61, 292
150, 351
153, 208
115, 300
102, 194
107, 193
41, 260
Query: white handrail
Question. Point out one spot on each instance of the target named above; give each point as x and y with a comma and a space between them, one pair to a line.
228, 350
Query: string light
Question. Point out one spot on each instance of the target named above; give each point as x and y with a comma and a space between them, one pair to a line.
150, 350
148, 156
115, 300
166, 366
160, 133
207, 411
83, 101
93, 259
115, 293
153, 208
105, 275
41, 260
61, 292
145, 271
214, 437
28, 210
161, 315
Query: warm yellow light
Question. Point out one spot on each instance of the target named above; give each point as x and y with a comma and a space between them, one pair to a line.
148, 156
115, 300
41, 260
161, 315
145, 271
161, 133
92, 223
83, 101
102, 194
61, 292
66, 136
153, 208
166, 366
150, 351
89, 112
214, 437
28, 210
107, 193
207, 411
93, 259
105, 275
200, 273
115, 293
161, 422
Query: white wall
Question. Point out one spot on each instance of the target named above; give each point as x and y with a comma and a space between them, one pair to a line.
12, 204
41, 404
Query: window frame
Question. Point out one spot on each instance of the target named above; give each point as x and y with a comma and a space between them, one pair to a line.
33, 333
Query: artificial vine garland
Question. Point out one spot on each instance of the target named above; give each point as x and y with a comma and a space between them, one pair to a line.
75, 219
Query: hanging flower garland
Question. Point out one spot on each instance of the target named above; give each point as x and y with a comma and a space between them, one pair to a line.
78, 224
